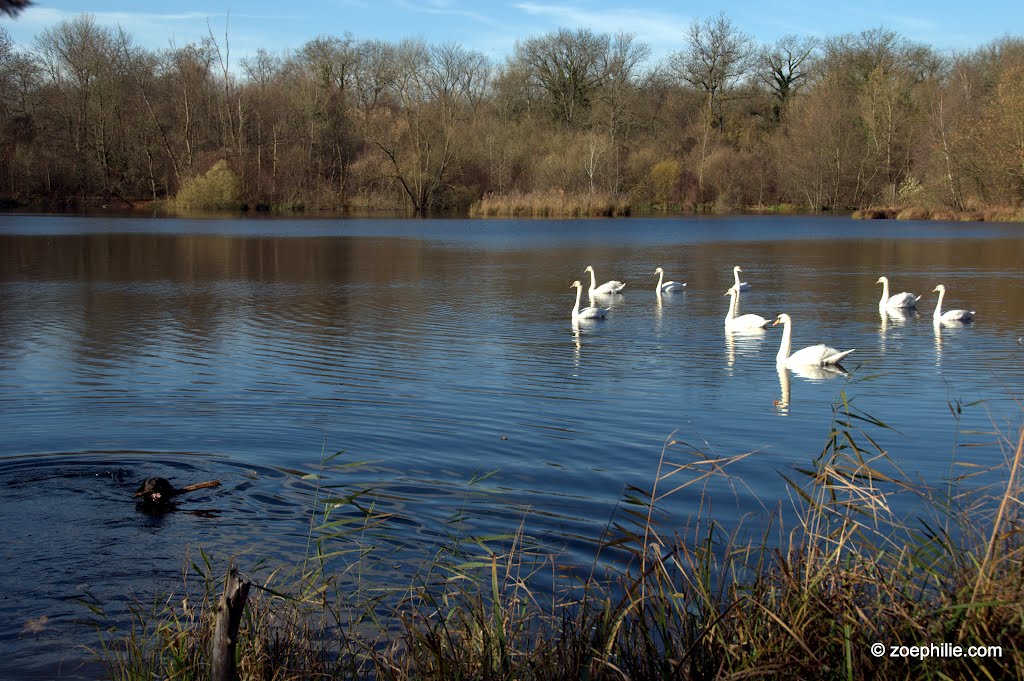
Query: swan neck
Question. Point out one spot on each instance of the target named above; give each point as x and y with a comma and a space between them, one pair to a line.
661, 278
736, 274
885, 293
732, 309
576, 307
787, 336
938, 305
593, 280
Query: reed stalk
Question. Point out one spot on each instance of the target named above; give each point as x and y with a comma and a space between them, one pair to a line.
806, 596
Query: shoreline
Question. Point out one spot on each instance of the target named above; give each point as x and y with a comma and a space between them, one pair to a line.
582, 210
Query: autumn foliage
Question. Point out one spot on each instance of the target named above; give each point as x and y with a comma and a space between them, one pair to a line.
590, 121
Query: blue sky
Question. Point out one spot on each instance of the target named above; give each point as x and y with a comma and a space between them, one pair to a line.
492, 26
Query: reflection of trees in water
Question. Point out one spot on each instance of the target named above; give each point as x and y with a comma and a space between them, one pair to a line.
123, 293
105, 295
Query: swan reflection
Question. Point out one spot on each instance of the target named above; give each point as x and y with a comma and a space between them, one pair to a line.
742, 342
892, 316
783, 402
896, 317
577, 345
809, 372
606, 300
822, 373
948, 325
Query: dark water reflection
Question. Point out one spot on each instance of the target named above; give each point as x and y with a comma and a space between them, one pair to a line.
436, 351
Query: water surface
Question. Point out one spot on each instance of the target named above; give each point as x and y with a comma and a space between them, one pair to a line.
437, 351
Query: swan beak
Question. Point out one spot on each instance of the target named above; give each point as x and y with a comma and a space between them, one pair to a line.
775, 322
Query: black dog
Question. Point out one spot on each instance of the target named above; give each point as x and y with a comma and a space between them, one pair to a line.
159, 492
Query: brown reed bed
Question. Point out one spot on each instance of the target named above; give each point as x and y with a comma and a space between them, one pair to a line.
987, 214
551, 203
836, 572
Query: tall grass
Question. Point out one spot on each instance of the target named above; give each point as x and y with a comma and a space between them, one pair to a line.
552, 203
832, 571
987, 214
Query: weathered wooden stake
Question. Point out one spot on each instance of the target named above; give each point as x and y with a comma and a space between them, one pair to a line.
225, 634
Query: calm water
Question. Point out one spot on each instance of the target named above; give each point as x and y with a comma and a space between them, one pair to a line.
434, 352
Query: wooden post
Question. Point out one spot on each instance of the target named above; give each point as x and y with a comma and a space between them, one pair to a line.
225, 635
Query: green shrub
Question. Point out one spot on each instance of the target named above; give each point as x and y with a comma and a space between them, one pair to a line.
220, 188
665, 179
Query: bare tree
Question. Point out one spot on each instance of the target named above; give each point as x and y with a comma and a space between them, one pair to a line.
861, 54
616, 105
569, 66
882, 74
323, 87
857, 119
459, 76
416, 120
377, 68
717, 57
82, 61
1000, 138
946, 146
263, 73
819, 148
783, 68
19, 78
230, 107
188, 84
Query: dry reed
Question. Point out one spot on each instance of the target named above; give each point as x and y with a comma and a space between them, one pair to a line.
806, 598
552, 203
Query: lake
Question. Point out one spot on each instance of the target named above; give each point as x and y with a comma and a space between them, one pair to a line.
436, 352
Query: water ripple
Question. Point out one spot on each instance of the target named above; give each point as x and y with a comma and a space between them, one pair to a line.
436, 357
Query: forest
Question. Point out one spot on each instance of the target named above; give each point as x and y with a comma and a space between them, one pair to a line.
569, 118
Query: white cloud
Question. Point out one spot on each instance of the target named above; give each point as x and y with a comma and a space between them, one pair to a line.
650, 26
444, 7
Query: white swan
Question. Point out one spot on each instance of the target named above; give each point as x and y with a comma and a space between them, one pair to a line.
741, 285
900, 301
815, 355
587, 312
605, 288
746, 321
667, 286
951, 315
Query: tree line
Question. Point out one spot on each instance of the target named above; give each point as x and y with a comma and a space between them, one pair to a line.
86, 115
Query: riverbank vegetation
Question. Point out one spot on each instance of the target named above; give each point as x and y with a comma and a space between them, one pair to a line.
833, 569
571, 122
